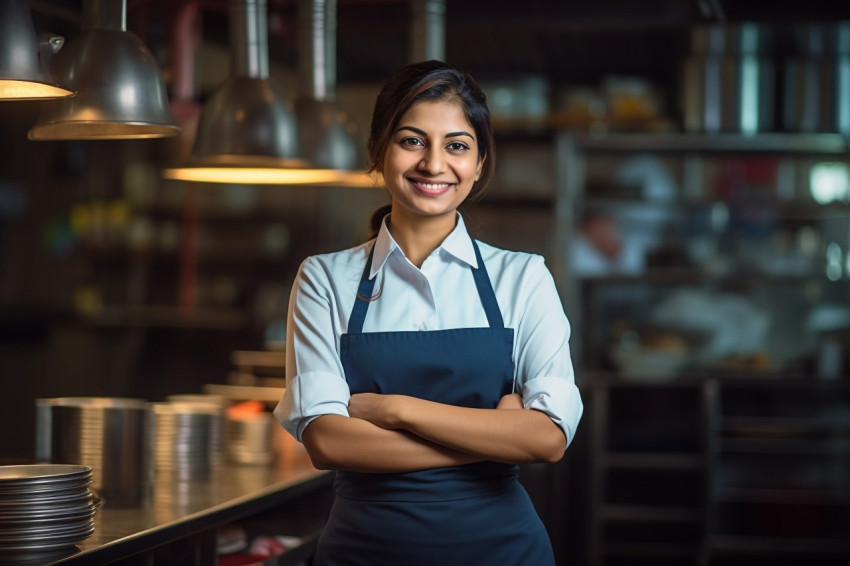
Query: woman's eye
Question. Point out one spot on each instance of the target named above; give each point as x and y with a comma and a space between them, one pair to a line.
457, 146
413, 142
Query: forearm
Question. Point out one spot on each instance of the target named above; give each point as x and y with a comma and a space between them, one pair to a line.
344, 443
514, 436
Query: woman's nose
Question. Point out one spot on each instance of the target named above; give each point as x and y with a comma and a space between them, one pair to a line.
432, 161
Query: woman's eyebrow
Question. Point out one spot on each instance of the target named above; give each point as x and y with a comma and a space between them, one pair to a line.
425, 134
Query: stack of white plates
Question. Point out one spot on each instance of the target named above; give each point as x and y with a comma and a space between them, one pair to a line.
45, 509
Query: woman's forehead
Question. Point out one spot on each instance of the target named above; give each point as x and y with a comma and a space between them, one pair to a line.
442, 114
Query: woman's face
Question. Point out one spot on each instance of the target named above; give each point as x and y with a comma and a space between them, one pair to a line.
431, 162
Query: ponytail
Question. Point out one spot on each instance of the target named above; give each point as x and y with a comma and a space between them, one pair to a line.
377, 218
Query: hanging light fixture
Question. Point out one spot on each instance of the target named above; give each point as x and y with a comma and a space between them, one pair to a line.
121, 94
327, 134
23, 69
248, 132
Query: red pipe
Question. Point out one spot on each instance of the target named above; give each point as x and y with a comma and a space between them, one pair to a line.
185, 109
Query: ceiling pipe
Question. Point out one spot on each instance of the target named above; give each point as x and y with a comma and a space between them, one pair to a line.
120, 91
327, 133
184, 41
185, 36
184, 104
428, 30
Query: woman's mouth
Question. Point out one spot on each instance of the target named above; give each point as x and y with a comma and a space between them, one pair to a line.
430, 189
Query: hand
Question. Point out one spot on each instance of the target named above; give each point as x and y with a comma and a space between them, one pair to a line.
380, 410
510, 401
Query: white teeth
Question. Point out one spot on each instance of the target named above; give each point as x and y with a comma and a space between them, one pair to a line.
431, 187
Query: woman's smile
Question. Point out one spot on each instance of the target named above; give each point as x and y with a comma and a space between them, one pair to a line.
432, 188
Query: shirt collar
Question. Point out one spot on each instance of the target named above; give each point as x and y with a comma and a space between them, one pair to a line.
458, 244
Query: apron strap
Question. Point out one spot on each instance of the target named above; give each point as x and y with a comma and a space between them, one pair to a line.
482, 283
364, 295
485, 291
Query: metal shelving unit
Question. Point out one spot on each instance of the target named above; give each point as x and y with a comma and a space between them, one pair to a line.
683, 509
779, 482
636, 451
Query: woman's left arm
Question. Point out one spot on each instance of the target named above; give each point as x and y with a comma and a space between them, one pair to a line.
550, 402
508, 433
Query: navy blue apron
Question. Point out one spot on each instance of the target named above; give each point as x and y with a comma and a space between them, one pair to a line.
460, 515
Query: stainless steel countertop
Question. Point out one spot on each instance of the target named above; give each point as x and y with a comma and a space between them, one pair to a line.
180, 509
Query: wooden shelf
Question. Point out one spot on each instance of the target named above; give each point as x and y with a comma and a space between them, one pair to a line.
143, 316
648, 549
776, 545
789, 496
245, 392
820, 143
784, 446
782, 426
790, 209
651, 461
650, 513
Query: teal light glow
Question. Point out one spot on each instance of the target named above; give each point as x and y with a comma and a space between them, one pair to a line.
829, 182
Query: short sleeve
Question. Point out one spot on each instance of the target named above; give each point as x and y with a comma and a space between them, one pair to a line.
315, 379
545, 374
308, 396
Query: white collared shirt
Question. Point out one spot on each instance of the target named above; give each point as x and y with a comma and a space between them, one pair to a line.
441, 295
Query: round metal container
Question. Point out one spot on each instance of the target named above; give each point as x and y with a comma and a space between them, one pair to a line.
187, 438
248, 438
111, 435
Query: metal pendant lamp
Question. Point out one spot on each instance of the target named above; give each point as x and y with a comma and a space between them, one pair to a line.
121, 94
327, 134
23, 60
247, 132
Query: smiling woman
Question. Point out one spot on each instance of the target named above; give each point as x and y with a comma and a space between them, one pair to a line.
426, 390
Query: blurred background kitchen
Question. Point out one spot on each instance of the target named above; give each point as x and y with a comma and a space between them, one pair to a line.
683, 166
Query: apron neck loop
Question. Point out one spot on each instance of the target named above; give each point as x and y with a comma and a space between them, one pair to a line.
482, 283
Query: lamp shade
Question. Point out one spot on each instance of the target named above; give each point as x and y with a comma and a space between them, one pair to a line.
247, 132
120, 91
23, 72
246, 117
327, 135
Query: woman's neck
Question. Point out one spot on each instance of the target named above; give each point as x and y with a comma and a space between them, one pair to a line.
418, 239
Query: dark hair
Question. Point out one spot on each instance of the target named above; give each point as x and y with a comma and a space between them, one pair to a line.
430, 80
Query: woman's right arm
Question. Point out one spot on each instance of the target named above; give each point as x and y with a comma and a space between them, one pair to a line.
314, 407
335, 442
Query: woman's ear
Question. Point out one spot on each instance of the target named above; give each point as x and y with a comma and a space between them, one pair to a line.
479, 167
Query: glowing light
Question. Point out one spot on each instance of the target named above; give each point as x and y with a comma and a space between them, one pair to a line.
829, 182
833, 262
273, 176
14, 89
